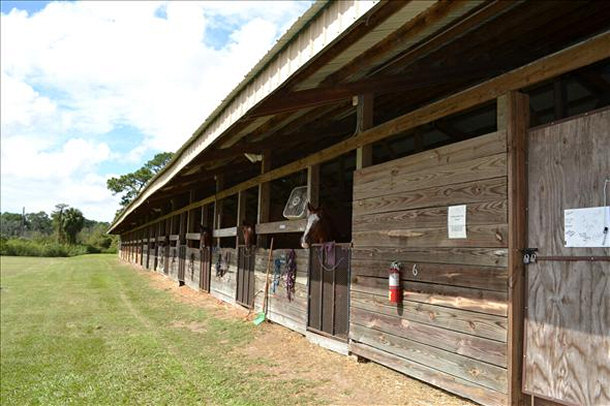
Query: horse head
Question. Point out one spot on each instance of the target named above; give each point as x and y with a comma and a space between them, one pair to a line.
318, 229
247, 230
206, 236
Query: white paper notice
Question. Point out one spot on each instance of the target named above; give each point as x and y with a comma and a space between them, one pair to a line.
584, 228
456, 221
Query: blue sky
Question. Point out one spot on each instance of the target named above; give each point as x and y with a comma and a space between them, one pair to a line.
29, 6
94, 89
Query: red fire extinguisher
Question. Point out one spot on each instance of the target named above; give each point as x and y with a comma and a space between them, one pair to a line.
394, 282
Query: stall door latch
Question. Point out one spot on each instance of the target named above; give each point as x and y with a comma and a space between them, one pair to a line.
529, 255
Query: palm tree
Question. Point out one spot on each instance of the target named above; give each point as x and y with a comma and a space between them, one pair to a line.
73, 222
68, 221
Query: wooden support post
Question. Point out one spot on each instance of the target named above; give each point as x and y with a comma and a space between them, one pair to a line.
264, 199
218, 206
364, 120
182, 228
513, 117
189, 214
241, 216
313, 185
205, 213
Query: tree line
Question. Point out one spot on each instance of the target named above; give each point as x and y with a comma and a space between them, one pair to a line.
66, 231
62, 233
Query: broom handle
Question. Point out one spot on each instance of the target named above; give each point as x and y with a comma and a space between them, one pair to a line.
265, 299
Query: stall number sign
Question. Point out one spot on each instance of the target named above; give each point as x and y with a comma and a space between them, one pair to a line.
587, 227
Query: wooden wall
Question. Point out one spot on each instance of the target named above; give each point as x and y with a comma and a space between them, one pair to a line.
152, 256
145, 255
567, 326
293, 313
173, 261
193, 267
451, 328
224, 287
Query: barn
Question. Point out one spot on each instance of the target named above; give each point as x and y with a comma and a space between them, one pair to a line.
465, 142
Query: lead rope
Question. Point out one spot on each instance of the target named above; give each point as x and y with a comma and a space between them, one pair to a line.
291, 274
277, 273
329, 269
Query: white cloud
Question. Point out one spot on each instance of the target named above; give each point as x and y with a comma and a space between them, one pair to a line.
78, 70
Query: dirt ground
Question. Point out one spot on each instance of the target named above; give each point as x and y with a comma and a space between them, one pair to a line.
340, 380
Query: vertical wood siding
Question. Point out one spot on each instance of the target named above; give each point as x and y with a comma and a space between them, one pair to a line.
567, 324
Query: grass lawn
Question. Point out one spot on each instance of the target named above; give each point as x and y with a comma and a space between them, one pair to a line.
89, 330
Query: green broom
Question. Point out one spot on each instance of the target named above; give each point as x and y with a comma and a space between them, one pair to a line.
263, 314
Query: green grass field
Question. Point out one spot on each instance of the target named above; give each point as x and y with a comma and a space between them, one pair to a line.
88, 330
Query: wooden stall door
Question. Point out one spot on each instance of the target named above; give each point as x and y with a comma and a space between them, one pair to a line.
181, 262
206, 267
567, 322
329, 291
166, 260
245, 276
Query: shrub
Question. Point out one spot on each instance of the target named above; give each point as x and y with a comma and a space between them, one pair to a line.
28, 248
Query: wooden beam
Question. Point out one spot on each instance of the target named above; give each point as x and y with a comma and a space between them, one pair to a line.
264, 199
313, 185
435, 14
323, 95
584, 53
189, 214
446, 36
286, 226
241, 215
513, 117
225, 232
218, 205
193, 236
205, 210
365, 108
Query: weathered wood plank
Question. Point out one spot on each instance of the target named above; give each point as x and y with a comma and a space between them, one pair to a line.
488, 236
567, 332
483, 301
297, 325
567, 328
469, 276
460, 256
193, 236
477, 324
225, 232
406, 179
567, 167
454, 384
494, 212
462, 193
482, 349
481, 373
286, 226
485, 145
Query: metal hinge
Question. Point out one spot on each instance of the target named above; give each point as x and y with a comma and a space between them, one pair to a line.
529, 255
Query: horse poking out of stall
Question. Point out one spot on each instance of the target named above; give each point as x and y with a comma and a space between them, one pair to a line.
247, 230
319, 228
206, 236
